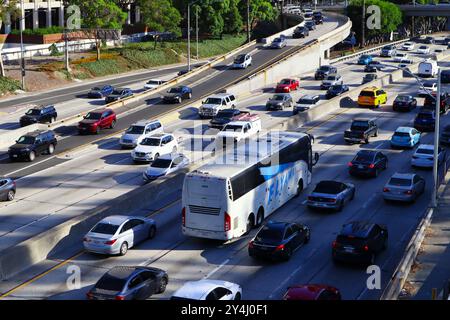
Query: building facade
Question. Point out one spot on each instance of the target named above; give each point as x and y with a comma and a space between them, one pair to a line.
42, 14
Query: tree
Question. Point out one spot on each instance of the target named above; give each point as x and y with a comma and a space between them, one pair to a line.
7, 8
390, 18
160, 15
233, 19
99, 14
260, 10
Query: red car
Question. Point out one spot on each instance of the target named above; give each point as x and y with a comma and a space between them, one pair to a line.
287, 85
96, 120
312, 292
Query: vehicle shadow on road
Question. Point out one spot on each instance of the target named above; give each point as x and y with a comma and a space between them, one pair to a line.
76, 294
9, 126
257, 108
97, 102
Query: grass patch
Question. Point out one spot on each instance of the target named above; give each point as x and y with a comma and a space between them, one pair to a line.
104, 67
8, 85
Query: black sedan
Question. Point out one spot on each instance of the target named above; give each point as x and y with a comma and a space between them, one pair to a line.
177, 94
336, 90
368, 163
311, 25
404, 103
7, 189
225, 116
360, 242
370, 68
300, 32
100, 92
369, 78
129, 283
119, 94
279, 101
330, 194
278, 240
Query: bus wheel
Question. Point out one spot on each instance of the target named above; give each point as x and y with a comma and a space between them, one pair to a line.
260, 217
299, 188
250, 223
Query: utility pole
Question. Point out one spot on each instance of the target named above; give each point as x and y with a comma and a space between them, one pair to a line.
22, 58
189, 37
436, 142
248, 21
66, 51
196, 30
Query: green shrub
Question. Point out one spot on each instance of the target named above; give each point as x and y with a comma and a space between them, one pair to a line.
8, 85
54, 52
40, 31
103, 67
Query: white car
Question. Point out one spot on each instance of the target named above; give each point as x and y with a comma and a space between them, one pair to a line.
165, 165
138, 131
423, 50
154, 146
242, 61
208, 290
408, 46
424, 156
399, 57
331, 80
153, 84
428, 88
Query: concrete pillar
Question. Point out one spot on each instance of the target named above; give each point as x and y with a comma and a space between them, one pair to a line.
36, 16
138, 14
22, 19
61, 15
8, 24
129, 14
49, 14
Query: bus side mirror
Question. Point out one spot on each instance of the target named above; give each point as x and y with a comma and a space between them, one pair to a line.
316, 159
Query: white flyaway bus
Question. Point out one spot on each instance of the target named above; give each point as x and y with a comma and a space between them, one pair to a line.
225, 199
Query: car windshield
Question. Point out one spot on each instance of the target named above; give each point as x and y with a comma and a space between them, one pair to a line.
225, 114
305, 101
364, 157
423, 47
401, 182
175, 90
359, 126
26, 140
151, 142
96, 89
387, 48
401, 134
93, 116
367, 94
424, 115
277, 40
403, 98
285, 81
161, 163
328, 187
270, 234
324, 68
428, 85
240, 58
363, 57
110, 283
213, 101
105, 228
353, 241
234, 128
425, 151
33, 112
136, 130
331, 78
155, 82
117, 92
369, 76
336, 88
278, 98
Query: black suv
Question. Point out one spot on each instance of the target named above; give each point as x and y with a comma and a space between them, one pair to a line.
360, 241
39, 114
33, 144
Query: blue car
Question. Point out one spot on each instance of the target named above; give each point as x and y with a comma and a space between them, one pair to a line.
101, 92
425, 120
365, 59
405, 137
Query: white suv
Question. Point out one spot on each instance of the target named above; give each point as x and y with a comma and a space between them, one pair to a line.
153, 83
242, 61
213, 104
138, 131
154, 146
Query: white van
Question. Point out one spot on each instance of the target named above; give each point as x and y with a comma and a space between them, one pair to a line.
427, 68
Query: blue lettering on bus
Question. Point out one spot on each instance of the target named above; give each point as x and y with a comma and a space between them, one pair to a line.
277, 184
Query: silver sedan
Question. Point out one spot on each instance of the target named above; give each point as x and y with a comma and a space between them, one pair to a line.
331, 195
405, 187
116, 234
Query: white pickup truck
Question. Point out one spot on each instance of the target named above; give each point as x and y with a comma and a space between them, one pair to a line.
236, 131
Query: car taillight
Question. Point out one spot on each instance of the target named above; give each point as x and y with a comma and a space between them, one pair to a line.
183, 217
110, 242
120, 298
331, 200
386, 190
311, 198
280, 247
366, 248
350, 164
227, 220
14, 183
371, 166
408, 192
250, 244
85, 239
89, 295
335, 244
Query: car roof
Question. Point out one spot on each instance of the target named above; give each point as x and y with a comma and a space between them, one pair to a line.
37, 133
371, 88
403, 175
425, 146
333, 75
159, 135
404, 129
220, 95
144, 122
310, 96
277, 224
364, 119
358, 229
117, 219
307, 292
41, 107
367, 152
123, 272
198, 289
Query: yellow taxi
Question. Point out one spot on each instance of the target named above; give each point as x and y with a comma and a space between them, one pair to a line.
372, 97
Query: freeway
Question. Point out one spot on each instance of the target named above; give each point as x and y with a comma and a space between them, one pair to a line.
203, 84
190, 259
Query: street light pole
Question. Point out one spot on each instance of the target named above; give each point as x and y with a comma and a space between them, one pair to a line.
22, 58
189, 37
248, 21
436, 142
363, 24
196, 30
